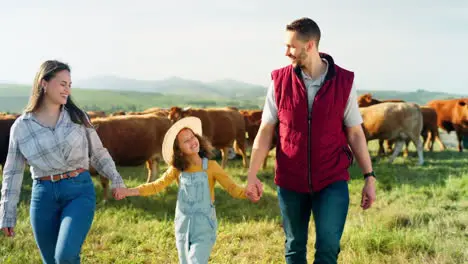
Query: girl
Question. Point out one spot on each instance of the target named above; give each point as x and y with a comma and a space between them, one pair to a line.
52, 137
187, 153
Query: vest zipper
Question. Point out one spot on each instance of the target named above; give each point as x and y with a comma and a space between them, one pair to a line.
309, 153
309, 118
309, 176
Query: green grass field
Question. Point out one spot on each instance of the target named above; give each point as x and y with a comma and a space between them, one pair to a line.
420, 216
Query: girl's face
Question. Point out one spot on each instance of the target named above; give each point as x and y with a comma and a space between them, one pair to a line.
188, 142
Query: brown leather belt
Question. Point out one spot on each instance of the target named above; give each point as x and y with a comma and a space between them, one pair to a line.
66, 175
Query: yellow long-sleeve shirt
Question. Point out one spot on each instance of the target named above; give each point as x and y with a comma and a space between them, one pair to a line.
214, 171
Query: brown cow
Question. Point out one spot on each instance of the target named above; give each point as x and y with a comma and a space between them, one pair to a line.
394, 121
154, 110
94, 114
118, 113
367, 100
6, 121
133, 140
253, 119
222, 126
452, 115
429, 132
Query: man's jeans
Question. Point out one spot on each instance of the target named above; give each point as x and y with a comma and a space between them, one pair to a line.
329, 208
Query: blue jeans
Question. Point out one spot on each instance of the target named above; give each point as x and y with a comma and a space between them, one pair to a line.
329, 208
61, 215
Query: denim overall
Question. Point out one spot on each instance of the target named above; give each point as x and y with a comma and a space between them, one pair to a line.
195, 218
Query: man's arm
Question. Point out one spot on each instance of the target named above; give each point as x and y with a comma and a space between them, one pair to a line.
358, 144
357, 141
261, 145
262, 142
260, 148
354, 132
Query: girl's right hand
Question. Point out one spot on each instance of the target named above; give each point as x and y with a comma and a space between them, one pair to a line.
9, 231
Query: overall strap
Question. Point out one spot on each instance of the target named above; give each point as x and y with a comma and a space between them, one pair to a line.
205, 164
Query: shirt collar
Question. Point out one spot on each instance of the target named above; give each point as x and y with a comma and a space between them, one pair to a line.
29, 115
321, 78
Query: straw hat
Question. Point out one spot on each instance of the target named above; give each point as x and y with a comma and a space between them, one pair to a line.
194, 123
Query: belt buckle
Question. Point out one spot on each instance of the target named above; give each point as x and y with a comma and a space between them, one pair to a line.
52, 178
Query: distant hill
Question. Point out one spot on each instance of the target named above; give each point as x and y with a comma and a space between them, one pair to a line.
110, 94
174, 85
13, 98
419, 96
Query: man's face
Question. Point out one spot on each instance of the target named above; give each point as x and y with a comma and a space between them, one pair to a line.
296, 49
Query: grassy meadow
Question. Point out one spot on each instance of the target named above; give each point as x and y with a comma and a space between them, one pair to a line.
420, 216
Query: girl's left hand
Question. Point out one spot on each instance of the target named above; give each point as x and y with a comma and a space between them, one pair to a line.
119, 193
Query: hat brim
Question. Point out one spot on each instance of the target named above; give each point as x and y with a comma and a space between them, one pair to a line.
191, 122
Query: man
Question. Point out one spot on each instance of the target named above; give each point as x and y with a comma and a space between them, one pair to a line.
313, 103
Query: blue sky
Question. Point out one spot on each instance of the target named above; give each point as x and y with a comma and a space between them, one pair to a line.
392, 45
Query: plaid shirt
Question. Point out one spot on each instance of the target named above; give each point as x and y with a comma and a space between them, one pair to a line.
50, 151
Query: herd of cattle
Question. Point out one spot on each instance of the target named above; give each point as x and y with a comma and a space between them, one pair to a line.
135, 138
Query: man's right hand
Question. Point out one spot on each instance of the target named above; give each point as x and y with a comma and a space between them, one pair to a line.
9, 231
254, 189
260, 148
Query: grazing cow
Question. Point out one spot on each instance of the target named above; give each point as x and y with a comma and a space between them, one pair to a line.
452, 115
394, 121
253, 119
222, 126
6, 121
133, 140
429, 132
366, 100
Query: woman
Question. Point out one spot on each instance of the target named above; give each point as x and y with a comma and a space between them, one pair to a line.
57, 140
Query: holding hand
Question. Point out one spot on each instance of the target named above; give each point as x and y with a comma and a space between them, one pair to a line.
121, 193
254, 189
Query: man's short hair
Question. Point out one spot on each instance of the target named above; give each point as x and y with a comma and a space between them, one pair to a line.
306, 29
